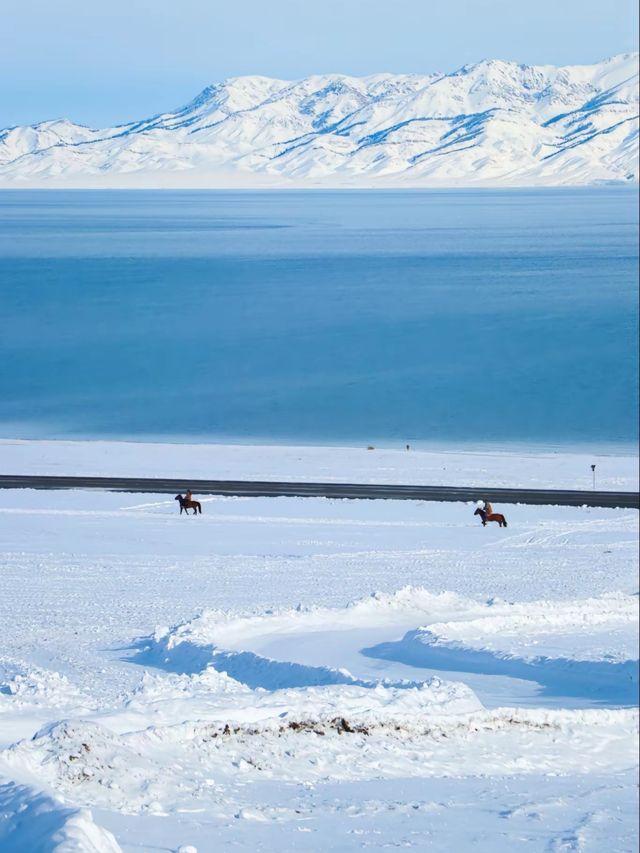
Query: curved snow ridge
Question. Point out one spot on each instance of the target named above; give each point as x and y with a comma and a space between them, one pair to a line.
607, 681
602, 631
220, 628
576, 648
32, 821
503, 618
256, 671
216, 639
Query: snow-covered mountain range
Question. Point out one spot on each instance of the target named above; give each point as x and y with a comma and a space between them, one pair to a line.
492, 123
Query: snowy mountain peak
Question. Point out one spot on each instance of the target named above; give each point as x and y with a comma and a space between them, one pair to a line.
493, 122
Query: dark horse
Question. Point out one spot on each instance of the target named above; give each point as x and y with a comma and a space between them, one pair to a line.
494, 516
187, 505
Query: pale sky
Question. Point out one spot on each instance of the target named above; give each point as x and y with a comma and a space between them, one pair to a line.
99, 62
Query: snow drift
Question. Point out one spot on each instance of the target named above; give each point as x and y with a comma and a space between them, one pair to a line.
31, 820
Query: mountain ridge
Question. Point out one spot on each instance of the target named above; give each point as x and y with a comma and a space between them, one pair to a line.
489, 123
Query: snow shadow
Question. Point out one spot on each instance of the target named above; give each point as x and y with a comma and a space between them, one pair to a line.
607, 682
248, 668
30, 820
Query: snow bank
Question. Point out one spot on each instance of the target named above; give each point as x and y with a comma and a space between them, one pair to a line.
611, 682
373, 703
24, 686
190, 765
514, 619
30, 695
33, 822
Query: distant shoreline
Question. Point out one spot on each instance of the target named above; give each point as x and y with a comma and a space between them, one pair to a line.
514, 448
146, 182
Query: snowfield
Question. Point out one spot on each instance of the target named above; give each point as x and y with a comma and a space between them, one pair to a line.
492, 123
440, 467
306, 674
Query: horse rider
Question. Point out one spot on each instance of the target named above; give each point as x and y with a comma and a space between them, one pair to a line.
188, 496
487, 507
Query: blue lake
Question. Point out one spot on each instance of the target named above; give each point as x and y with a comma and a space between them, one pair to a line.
459, 317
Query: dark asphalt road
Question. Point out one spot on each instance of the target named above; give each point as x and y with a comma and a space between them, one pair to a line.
243, 488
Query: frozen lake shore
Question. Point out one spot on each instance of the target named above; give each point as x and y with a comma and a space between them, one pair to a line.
442, 466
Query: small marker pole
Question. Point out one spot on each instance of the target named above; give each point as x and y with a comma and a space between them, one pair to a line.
593, 470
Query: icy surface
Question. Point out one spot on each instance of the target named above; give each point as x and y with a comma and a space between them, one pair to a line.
298, 674
493, 123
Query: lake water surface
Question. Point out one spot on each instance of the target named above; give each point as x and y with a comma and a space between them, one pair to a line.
484, 317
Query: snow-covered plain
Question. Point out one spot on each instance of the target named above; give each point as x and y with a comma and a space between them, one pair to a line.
433, 467
492, 123
306, 674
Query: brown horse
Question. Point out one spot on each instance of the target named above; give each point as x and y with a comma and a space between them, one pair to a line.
494, 516
187, 505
